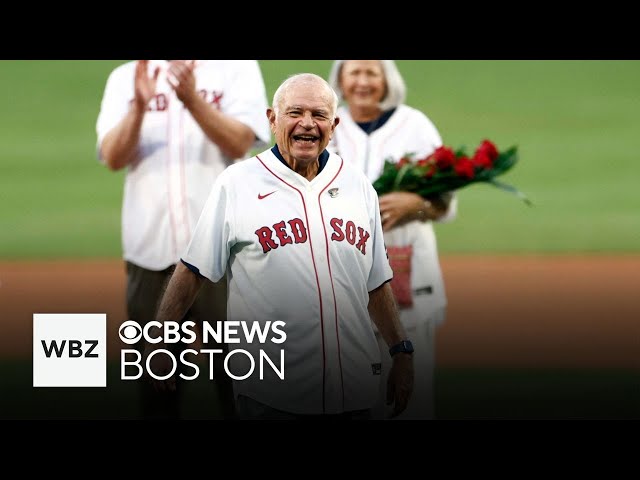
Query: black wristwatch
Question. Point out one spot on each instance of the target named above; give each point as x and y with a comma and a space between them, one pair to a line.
405, 346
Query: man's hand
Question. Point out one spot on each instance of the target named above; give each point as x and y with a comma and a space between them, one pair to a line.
160, 365
181, 291
384, 313
182, 80
145, 86
400, 382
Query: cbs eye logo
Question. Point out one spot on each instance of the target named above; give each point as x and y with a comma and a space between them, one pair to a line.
130, 332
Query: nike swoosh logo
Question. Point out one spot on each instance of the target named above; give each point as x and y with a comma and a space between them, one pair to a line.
260, 197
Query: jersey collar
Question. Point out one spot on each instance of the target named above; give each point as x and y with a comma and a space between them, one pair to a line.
323, 159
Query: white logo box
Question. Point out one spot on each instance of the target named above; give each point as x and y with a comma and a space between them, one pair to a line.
74, 353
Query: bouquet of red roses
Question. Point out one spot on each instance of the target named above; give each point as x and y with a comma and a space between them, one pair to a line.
445, 170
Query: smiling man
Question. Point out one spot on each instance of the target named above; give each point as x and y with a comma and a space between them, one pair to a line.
298, 232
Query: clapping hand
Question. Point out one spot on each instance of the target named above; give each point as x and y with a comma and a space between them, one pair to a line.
182, 79
145, 85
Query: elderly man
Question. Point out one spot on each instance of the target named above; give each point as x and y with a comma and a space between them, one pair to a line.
298, 232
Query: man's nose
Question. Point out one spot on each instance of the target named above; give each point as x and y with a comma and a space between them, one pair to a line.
308, 121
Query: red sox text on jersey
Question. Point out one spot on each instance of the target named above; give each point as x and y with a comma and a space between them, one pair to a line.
160, 101
294, 231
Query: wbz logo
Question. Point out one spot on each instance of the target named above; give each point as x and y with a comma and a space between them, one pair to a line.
74, 349
69, 350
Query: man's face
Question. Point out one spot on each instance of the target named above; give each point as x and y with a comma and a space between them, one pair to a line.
304, 122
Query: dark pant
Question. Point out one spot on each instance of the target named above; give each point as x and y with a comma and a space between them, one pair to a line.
144, 293
250, 409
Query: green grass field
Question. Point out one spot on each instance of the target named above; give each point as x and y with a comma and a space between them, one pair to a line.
575, 123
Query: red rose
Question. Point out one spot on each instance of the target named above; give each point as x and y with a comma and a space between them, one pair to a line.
444, 157
481, 159
489, 149
464, 167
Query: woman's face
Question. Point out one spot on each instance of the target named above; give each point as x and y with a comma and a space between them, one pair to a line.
362, 83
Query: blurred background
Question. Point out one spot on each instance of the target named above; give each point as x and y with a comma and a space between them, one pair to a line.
542, 300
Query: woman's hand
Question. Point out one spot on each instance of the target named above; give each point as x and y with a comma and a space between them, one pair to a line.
397, 208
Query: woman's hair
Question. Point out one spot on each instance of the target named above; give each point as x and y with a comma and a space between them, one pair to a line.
396, 88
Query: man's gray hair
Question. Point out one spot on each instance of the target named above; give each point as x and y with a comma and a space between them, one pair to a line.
304, 78
396, 88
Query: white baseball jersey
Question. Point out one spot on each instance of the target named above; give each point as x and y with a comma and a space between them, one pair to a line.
306, 253
407, 130
166, 189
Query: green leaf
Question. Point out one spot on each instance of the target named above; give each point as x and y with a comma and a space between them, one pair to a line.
511, 189
398, 180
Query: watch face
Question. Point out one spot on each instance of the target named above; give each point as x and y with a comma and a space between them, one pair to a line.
407, 346
404, 346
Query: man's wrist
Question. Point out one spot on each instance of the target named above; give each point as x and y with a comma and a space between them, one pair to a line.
138, 107
405, 346
189, 100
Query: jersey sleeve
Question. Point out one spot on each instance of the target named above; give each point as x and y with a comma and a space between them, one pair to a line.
247, 100
380, 269
115, 104
213, 236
